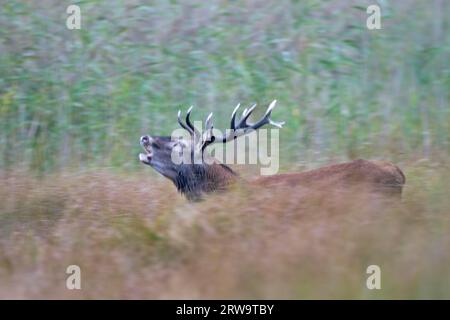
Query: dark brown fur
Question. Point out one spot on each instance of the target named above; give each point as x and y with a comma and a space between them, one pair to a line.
373, 175
194, 180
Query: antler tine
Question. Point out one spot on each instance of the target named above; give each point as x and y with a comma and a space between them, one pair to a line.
270, 107
188, 115
189, 123
233, 117
245, 115
269, 112
208, 136
185, 127
266, 119
208, 122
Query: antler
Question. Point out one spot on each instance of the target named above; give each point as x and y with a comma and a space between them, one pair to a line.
188, 126
237, 128
242, 127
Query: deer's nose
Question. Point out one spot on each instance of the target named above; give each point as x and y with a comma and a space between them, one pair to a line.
145, 140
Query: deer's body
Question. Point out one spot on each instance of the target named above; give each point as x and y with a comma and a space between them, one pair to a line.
374, 175
377, 176
379, 173
194, 180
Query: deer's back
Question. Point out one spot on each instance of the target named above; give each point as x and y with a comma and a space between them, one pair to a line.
376, 174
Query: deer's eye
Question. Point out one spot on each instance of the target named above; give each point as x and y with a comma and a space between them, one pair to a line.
175, 145
179, 144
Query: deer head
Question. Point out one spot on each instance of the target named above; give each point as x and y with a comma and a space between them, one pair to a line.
198, 172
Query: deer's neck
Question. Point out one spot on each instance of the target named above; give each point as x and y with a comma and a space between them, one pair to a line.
194, 180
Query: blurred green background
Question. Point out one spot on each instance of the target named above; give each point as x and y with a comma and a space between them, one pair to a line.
82, 98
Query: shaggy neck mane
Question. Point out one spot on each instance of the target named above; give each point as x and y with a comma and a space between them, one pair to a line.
195, 179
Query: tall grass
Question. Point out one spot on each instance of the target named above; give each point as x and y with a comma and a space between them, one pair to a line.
83, 97
135, 239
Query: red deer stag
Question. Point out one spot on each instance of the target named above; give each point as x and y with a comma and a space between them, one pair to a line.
196, 178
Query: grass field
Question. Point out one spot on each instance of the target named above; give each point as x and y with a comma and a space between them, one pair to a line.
73, 104
134, 237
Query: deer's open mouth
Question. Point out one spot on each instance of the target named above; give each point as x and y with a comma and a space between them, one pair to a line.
147, 156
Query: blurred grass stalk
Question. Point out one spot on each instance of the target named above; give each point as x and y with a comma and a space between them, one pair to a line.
82, 98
